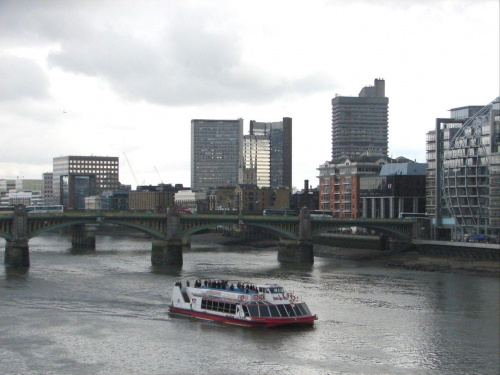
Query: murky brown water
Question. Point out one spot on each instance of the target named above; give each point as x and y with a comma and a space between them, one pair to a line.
106, 313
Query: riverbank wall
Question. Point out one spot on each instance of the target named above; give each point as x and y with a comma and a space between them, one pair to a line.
478, 251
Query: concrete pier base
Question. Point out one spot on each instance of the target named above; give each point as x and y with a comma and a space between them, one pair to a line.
83, 237
296, 251
166, 252
17, 254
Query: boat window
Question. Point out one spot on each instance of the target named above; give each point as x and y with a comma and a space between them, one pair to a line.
209, 304
253, 310
300, 308
232, 308
277, 290
274, 311
260, 289
296, 310
267, 290
203, 303
304, 307
245, 310
289, 310
264, 311
282, 310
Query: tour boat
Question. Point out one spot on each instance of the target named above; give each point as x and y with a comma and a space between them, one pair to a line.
266, 305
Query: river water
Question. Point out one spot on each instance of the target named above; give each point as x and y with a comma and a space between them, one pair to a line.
106, 313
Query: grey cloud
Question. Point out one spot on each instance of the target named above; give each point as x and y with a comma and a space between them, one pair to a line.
196, 58
186, 65
21, 79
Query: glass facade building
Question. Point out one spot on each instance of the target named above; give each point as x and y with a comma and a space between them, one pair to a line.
216, 150
77, 177
464, 171
257, 160
273, 144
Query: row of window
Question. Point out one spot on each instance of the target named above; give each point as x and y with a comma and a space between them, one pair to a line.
276, 311
258, 309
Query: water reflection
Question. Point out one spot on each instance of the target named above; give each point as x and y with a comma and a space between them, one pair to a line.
19, 275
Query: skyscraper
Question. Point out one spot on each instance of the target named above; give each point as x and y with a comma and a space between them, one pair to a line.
359, 124
255, 168
268, 152
216, 149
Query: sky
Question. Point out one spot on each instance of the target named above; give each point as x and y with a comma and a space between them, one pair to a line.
125, 78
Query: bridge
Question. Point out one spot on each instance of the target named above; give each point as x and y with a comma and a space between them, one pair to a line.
170, 231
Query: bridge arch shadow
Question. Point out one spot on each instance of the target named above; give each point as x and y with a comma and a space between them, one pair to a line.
141, 228
388, 231
268, 228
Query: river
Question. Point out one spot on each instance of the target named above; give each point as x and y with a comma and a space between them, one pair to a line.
106, 313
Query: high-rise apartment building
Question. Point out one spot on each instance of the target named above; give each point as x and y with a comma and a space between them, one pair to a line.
360, 124
267, 154
216, 150
463, 173
77, 177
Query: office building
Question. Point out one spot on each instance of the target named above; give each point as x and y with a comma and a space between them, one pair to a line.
77, 177
360, 124
27, 198
372, 186
268, 154
7, 185
25, 184
339, 182
255, 168
153, 198
190, 201
216, 151
398, 191
463, 176
48, 188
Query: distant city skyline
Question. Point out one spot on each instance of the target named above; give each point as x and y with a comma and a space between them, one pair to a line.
120, 77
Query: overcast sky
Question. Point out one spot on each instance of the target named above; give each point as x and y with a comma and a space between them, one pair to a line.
110, 78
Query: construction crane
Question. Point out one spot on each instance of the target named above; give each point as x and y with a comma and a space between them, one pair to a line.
131, 170
158, 173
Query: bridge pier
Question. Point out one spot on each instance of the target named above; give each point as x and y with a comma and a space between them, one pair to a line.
166, 252
82, 237
295, 251
16, 249
298, 251
17, 253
